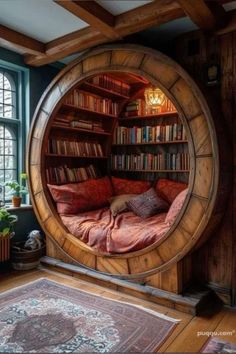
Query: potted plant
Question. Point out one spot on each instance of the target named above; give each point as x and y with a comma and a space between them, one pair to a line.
18, 189
7, 222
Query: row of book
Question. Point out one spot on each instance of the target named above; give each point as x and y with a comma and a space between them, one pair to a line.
87, 124
65, 174
139, 107
154, 162
149, 134
111, 84
70, 121
75, 148
91, 102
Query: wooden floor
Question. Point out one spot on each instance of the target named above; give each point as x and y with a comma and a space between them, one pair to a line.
185, 337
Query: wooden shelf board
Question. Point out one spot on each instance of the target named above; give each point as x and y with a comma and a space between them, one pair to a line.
155, 143
86, 110
99, 90
75, 156
151, 116
57, 126
163, 171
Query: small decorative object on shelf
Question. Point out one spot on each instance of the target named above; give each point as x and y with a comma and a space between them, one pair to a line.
18, 189
7, 221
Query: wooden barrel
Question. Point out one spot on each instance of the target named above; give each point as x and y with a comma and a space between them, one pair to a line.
209, 160
25, 259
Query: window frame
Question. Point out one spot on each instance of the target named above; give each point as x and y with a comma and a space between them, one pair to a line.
20, 123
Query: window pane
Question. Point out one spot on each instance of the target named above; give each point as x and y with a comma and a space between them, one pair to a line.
1, 110
1, 146
1, 80
1, 95
8, 97
7, 111
6, 84
9, 147
10, 162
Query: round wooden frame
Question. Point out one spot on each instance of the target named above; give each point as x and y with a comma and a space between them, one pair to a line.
205, 202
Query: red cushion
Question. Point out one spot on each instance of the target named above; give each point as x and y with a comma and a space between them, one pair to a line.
79, 197
129, 186
168, 189
175, 208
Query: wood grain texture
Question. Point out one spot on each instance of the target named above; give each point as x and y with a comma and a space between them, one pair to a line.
17, 40
204, 16
214, 262
198, 209
94, 14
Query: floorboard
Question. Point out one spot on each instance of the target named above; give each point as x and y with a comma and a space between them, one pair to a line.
185, 337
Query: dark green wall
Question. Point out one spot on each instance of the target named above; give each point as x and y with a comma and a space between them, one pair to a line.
39, 78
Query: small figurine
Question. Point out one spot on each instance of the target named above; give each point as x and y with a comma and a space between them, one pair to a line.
34, 240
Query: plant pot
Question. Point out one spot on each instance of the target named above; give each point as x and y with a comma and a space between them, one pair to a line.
25, 259
16, 201
5, 248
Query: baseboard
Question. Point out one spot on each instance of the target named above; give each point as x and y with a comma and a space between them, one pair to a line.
188, 304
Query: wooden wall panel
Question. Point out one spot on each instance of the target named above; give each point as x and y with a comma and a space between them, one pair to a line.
215, 261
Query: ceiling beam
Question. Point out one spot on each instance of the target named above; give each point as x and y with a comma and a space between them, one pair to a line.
94, 14
15, 40
152, 14
207, 16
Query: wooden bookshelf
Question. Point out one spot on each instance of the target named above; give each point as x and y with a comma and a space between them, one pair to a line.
80, 130
80, 136
154, 143
149, 116
75, 156
101, 91
149, 171
86, 110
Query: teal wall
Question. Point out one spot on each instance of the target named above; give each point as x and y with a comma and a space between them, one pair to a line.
39, 78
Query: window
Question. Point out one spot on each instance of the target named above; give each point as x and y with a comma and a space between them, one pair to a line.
12, 127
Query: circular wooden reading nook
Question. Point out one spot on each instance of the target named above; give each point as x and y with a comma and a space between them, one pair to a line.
91, 118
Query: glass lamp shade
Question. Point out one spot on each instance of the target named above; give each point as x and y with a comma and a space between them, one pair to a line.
154, 97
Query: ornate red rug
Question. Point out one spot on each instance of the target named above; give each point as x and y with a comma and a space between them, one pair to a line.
47, 317
217, 345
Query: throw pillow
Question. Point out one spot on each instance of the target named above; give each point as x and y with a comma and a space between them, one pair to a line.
147, 204
168, 189
118, 203
129, 186
175, 207
79, 197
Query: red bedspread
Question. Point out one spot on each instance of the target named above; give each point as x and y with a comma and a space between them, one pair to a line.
123, 233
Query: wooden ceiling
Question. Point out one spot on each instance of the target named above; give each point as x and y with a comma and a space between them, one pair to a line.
103, 27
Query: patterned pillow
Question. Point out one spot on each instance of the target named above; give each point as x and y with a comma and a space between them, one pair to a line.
147, 204
175, 208
168, 189
129, 186
78, 197
118, 203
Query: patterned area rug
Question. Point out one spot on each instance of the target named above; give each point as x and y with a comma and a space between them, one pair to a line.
216, 345
47, 317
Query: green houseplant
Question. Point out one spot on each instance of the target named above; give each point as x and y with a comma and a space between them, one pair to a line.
18, 189
7, 222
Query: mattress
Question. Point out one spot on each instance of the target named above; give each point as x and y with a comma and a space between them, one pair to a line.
125, 232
